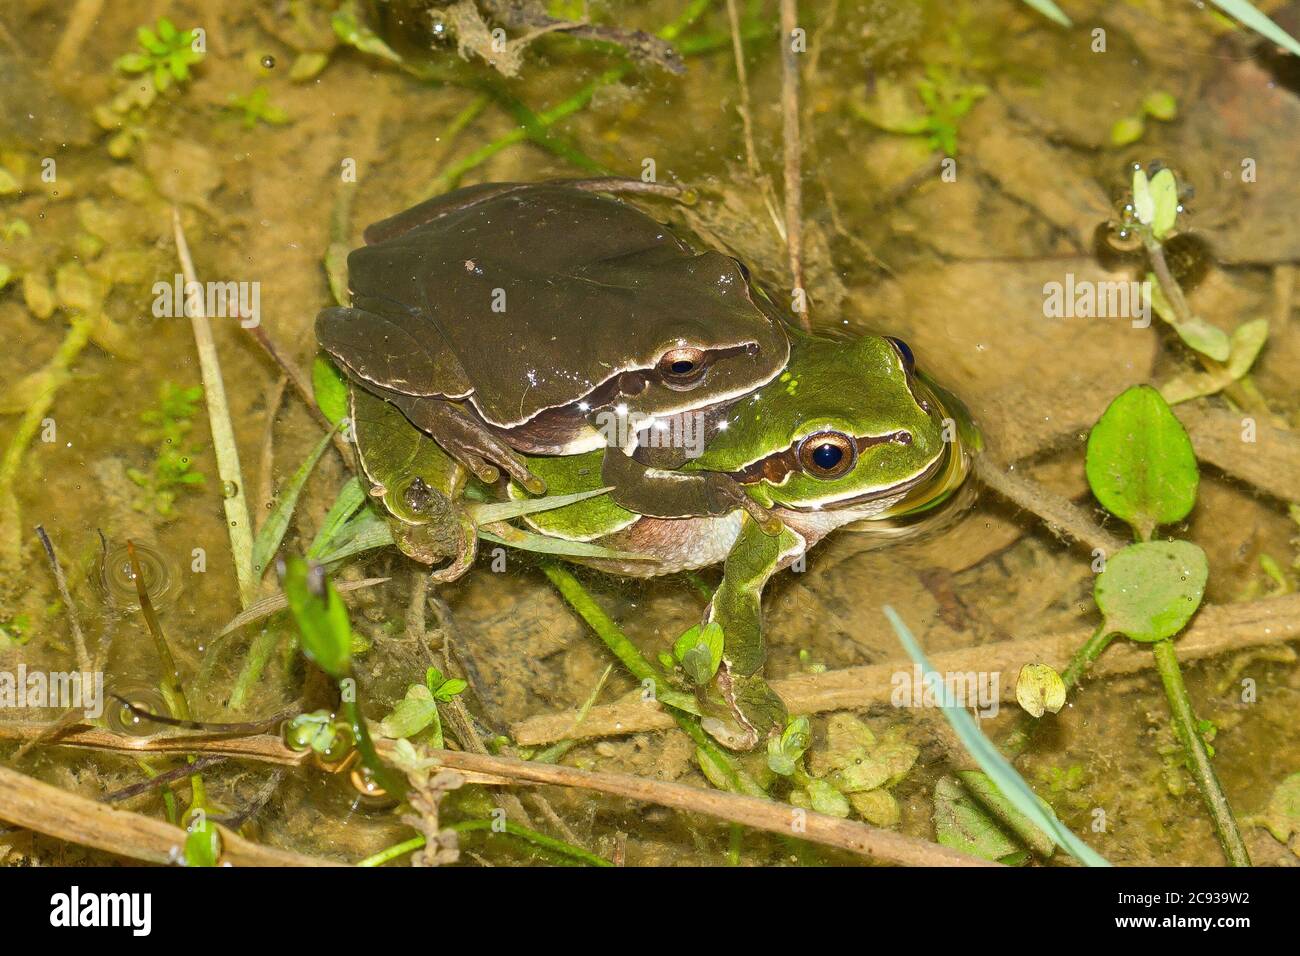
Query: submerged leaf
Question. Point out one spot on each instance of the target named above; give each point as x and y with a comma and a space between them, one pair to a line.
1140, 463
963, 824
321, 616
1149, 591
1004, 776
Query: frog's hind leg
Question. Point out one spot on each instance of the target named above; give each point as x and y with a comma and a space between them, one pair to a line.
467, 438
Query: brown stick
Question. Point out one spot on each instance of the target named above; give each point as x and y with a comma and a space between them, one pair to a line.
1271, 463
1061, 514
74, 621
35, 805
880, 845
1217, 629
793, 155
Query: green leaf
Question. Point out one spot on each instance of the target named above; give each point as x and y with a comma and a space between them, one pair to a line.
412, 714
784, 752
1261, 24
351, 496
449, 689
1049, 9
1205, 338
1004, 776
699, 651
1144, 204
982, 789
1160, 105
321, 616
202, 842
330, 389
134, 63
1039, 689
272, 532
1164, 198
824, 798
962, 823
1150, 590
1140, 463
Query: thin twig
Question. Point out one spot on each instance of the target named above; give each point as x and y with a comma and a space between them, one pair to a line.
238, 523
36, 805
793, 156
756, 172
1217, 629
779, 818
1060, 514
74, 620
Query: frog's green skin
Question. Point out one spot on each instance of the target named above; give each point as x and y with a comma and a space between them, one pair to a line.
911, 454
514, 318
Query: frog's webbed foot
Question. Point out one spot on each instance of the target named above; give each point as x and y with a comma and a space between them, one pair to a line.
746, 712
658, 493
465, 437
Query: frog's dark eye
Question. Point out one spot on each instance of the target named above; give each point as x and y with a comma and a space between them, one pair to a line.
909, 360
827, 455
682, 367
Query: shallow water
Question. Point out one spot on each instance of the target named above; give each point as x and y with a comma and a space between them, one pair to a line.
953, 256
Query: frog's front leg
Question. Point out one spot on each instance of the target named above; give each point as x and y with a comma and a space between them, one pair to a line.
741, 709
661, 493
465, 437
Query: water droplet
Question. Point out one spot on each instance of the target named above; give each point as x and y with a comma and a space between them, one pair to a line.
229, 489
268, 62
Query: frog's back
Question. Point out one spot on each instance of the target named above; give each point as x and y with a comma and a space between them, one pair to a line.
527, 297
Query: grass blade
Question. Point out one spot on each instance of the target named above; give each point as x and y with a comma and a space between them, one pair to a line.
1050, 10
350, 497
1248, 14
991, 761
504, 510
277, 522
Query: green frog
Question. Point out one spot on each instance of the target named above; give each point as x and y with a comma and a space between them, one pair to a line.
849, 432
515, 319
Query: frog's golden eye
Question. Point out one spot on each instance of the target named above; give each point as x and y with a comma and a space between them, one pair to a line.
828, 455
682, 367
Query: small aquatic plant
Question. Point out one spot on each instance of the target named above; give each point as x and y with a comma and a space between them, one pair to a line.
173, 468
165, 54
1142, 469
256, 107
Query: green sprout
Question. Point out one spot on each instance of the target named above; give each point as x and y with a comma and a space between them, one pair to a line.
256, 108
418, 711
165, 52
945, 99
173, 468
